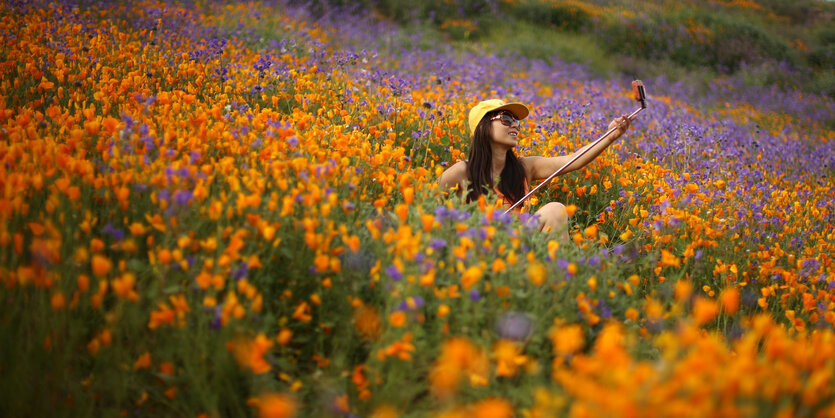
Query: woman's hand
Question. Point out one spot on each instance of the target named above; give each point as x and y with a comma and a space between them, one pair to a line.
620, 125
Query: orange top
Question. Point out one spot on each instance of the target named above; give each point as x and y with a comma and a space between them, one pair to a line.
508, 203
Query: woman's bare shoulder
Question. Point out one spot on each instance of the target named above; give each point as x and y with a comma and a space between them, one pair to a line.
459, 167
455, 174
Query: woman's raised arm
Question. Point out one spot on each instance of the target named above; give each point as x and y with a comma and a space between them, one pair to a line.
540, 168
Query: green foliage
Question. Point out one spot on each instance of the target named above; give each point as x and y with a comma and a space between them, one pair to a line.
825, 35
547, 44
768, 73
824, 82
822, 56
564, 16
799, 11
736, 41
695, 39
436, 11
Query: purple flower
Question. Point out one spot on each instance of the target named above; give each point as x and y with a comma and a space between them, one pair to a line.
437, 243
530, 221
394, 273
482, 233
241, 271
114, 232
502, 217
658, 225
474, 295
217, 320
605, 312
182, 197
441, 212
411, 303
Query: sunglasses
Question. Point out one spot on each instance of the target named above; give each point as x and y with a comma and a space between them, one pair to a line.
507, 119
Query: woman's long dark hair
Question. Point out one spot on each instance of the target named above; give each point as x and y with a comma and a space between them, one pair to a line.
479, 166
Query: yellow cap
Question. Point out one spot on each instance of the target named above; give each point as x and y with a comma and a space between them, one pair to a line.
477, 113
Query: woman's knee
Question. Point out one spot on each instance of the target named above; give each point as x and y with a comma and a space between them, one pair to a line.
553, 214
555, 210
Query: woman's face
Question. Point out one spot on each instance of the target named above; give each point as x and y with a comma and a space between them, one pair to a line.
505, 129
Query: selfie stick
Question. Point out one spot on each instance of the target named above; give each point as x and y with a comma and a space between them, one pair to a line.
639, 94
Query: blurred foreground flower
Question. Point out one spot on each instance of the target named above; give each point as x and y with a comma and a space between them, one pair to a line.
249, 353
274, 405
514, 325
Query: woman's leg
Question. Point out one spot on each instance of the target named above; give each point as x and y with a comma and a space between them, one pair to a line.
554, 219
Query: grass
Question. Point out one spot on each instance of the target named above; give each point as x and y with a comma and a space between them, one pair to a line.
548, 44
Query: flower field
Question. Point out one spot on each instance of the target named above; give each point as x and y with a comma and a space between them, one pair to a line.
231, 209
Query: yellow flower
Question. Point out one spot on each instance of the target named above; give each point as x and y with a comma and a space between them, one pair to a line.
508, 357
249, 353
58, 301
499, 265
632, 314
367, 322
570, 210
427, 221
591, 232
409, 195
284, 336
397, 319
275, 405
302, 312
571, 269
492, 408
459, 360
512, 259
402, 211
683, 289
471, 276
536, 273
143, 361
730, 300
101, 265
668, 259
385, 411
553, 246
352, 241
124, 287
704, 310
567, 339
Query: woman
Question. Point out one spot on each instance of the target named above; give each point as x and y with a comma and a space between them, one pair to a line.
494, 129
